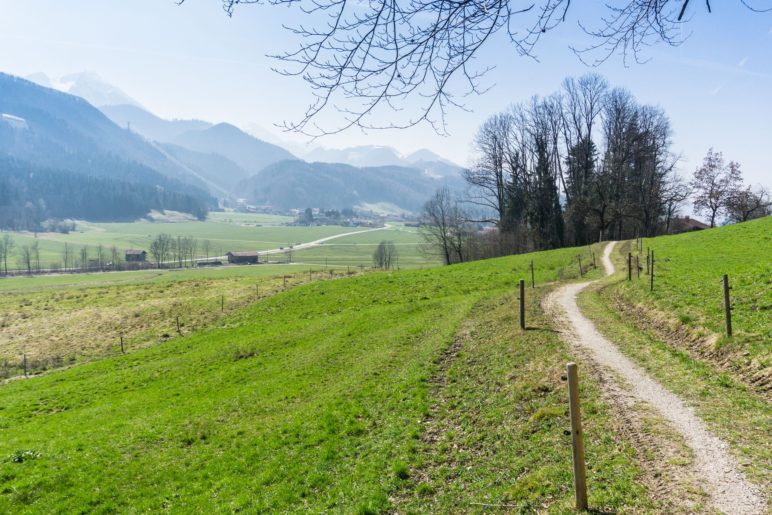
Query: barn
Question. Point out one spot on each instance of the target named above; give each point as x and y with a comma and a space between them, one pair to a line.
244, 258
135, 256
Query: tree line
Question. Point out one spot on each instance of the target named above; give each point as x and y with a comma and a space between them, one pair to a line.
30, 196
585, 164
167, 251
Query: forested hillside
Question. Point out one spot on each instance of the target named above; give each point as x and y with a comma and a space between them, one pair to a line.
30, 195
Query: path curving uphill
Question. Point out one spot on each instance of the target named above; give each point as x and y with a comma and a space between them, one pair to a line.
729, 490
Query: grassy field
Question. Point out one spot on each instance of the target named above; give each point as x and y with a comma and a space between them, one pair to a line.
358, 249
225, 231
58, 320
688, 287
320, 399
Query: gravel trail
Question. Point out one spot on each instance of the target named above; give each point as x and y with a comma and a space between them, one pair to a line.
729, 490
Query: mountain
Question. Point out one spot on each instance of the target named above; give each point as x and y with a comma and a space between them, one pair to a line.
87, 85
298, 184
366, 155
58, 131
246, 151
373, 155
149, 125
30, 195
212, 167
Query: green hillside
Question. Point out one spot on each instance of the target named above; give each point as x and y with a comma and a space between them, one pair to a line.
688, 287
315, 399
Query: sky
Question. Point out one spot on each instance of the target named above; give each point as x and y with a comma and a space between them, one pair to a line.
193, 61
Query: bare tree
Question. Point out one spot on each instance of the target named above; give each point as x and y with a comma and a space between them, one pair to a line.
67, 256
714, 183
444, 227
84, 258
25, 258
747, 204
161, 248
385, 255
6, 248
361, 58
206, 247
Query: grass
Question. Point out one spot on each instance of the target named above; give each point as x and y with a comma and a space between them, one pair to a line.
225, 233
358, 249
731, 410
309, 400
65, 319
688, 273
494, 437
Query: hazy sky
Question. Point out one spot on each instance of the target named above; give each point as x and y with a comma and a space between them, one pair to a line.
192, 61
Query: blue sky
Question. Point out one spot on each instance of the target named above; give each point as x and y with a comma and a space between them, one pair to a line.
193, 61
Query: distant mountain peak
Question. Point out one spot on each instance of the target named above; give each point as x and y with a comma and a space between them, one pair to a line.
88, 85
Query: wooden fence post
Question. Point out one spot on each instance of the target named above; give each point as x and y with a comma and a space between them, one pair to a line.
222, 302
577, 437
522, 304
285, 282
651, 272
533, 283
727, 306
24, 361
309, 274
179, 331
123, 349
648, 252
629, 266
637, 267
581, 273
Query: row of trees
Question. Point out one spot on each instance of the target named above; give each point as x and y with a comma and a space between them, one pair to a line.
167, 252
385, 255
585, 164
179, 251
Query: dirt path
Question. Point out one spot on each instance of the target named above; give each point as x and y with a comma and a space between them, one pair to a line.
727, 487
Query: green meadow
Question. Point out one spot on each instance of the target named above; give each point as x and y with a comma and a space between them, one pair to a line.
316, 399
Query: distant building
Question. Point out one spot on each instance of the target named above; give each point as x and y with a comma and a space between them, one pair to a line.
249, 257
685, 224
135, 256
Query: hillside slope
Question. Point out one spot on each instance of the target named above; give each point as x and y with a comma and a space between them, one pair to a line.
246, 151
298, 184
315, 400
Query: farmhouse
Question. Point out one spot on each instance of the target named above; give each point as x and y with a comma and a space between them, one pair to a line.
249, 257
135, 256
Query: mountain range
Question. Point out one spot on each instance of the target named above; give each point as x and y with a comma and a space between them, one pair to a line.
53, 124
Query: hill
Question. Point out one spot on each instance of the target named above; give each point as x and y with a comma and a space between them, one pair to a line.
298, 184
316, 399
58, 131
246, 151
149, 125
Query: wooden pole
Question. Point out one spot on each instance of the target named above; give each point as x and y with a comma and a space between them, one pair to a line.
309, 274
651, 272
533, 283
522, 304
257, 291
629, 266
285, 282
727, 307
593, 259
648, 252
222, 302
123, 349
178, 326
581, 273
637, 266
577, 437
24, 361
